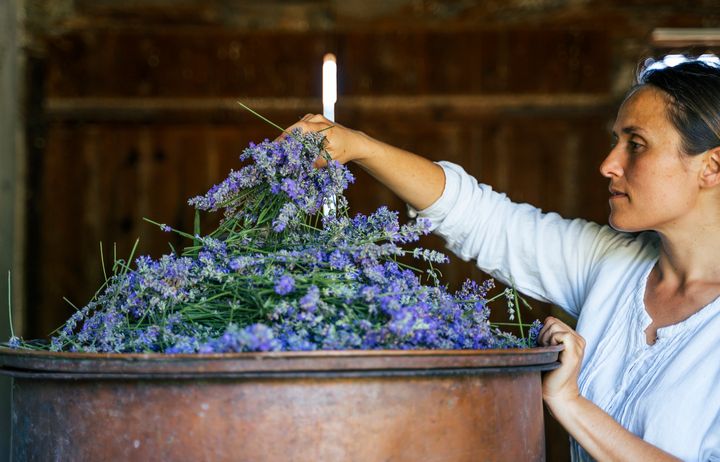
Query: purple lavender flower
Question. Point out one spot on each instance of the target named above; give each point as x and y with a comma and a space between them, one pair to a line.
284, 285
338, 260
259, 337
309, 301
183, 344
288, 213
291, 188
256, 337
534, 333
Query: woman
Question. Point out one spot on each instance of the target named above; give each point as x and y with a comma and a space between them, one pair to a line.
640, 378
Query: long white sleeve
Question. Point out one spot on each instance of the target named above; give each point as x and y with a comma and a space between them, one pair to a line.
542, 254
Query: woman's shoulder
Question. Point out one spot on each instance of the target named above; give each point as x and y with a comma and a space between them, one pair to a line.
641, 245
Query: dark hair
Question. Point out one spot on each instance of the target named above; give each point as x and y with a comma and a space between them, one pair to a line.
693, 88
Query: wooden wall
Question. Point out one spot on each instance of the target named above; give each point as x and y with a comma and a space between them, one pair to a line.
10, 208
131, 107
137, 120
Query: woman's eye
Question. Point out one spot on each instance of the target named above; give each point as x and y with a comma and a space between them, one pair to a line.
634, 147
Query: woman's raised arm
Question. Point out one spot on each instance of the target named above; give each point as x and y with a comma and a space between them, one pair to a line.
416, 180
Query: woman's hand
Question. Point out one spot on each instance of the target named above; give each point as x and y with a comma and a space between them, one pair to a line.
342, 143
416, 180
561, 384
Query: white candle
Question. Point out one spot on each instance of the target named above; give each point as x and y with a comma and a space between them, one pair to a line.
329, 92
329, 97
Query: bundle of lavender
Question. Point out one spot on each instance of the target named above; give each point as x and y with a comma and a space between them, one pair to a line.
279, 275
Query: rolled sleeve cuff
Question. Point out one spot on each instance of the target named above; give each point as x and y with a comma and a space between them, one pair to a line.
437, 212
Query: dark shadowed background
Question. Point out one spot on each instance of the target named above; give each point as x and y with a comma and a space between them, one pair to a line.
115, 110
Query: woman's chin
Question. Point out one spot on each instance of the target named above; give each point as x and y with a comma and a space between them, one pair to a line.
619, 225
624, 226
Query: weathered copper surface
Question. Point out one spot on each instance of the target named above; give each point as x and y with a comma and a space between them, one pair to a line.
320, 406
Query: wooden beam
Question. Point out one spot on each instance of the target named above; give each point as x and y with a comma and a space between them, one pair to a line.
685, 37
10, 183
10, 229
433, 107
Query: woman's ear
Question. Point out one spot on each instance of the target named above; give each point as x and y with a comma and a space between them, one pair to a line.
710, 175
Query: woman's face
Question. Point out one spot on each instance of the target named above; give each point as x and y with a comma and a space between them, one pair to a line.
653, 185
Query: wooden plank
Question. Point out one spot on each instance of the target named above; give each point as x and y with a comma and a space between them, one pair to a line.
57, 212
457, 107
10, 166
219, 62
552, 165
626, 16
11, 191
668, 37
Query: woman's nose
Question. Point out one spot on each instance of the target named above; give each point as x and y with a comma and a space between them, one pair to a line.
612, 165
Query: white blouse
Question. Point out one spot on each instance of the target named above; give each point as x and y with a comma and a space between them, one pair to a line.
667, 393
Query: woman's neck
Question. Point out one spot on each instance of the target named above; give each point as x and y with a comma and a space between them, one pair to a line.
690, 257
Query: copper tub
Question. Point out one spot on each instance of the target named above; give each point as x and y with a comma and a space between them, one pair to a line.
321, 406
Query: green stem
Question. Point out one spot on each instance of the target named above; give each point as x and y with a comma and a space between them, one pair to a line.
517, 310
102, 261
196, 227
12, 332
71, 303
183, 234
263, 118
